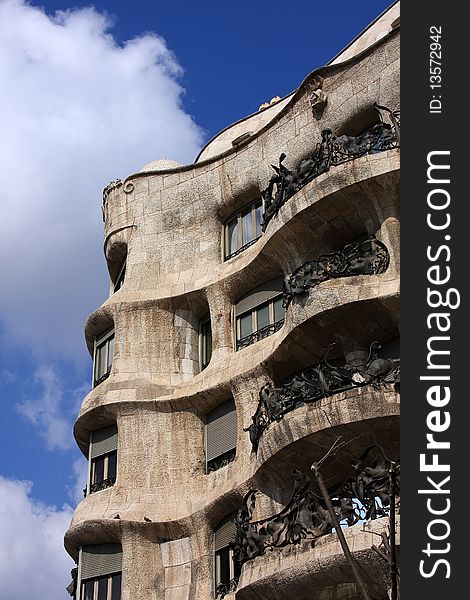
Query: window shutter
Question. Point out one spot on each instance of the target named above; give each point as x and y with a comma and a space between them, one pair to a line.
224, 534
104, 441
259, 295
221, 430
101, 559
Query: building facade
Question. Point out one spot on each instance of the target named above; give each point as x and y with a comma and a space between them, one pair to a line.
252, 330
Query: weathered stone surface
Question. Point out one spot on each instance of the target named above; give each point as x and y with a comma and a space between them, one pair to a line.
171, 226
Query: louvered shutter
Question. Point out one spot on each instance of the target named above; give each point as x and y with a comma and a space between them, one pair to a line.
259, 295
221, 430
104, 441
99, 560
224, 534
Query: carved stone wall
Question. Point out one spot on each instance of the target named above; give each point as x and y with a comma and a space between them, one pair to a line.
163, 507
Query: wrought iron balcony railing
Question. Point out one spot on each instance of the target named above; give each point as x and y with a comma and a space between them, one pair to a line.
220, 461
331, 151
260, 334
102, 485
102, 378
222, 589
366, 257
367, 494
319, 381
240, 250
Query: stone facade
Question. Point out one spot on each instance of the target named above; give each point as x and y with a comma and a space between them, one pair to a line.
167, 223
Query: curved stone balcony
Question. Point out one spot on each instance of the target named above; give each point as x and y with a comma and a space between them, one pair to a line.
179, 213
168, 226
318, 570
361, 308
152, 484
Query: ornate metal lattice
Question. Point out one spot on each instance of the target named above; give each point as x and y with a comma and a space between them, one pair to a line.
72, 586
319, 381
331, 151
260, 334
102, 485
222, 589
221, 461
366, 257
363, 496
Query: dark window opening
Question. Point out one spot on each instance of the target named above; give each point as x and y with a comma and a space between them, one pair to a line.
103, 457
243, 229
205, 342
121, 275
103, 356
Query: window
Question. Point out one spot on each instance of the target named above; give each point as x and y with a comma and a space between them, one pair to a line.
259, 314
103, 356
119, 280
243, 229
221, 436
103, 458
226, 570
205, 342
100, 572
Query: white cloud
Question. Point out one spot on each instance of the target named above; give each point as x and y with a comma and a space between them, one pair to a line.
80, 472
45, 411
7, 377
51, 406
77, 110
33, 562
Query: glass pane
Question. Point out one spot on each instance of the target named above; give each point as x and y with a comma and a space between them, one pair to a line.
279, 310
235, 565
206, 343
100, 358
110, 352
224, 566
116, 589
262, 317
88, 590
120, 277
247, 227
103, 589
112, 462
259, 219
98, 469
245, 325
232, 237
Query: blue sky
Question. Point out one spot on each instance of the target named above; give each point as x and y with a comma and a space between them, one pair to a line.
89, 95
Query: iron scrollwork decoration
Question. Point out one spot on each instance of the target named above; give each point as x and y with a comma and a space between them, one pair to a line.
102, 485
221, 461
330, 151
260, 334
222, 589
367, 257
363, 496
72, 586
320, 381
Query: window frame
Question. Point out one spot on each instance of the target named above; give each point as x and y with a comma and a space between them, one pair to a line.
96, 580
233, 572
81, 582
92, 464
229, 455
276, 325
101, 340
121, 275
203, 338
238, 217
217, 566
106, 477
